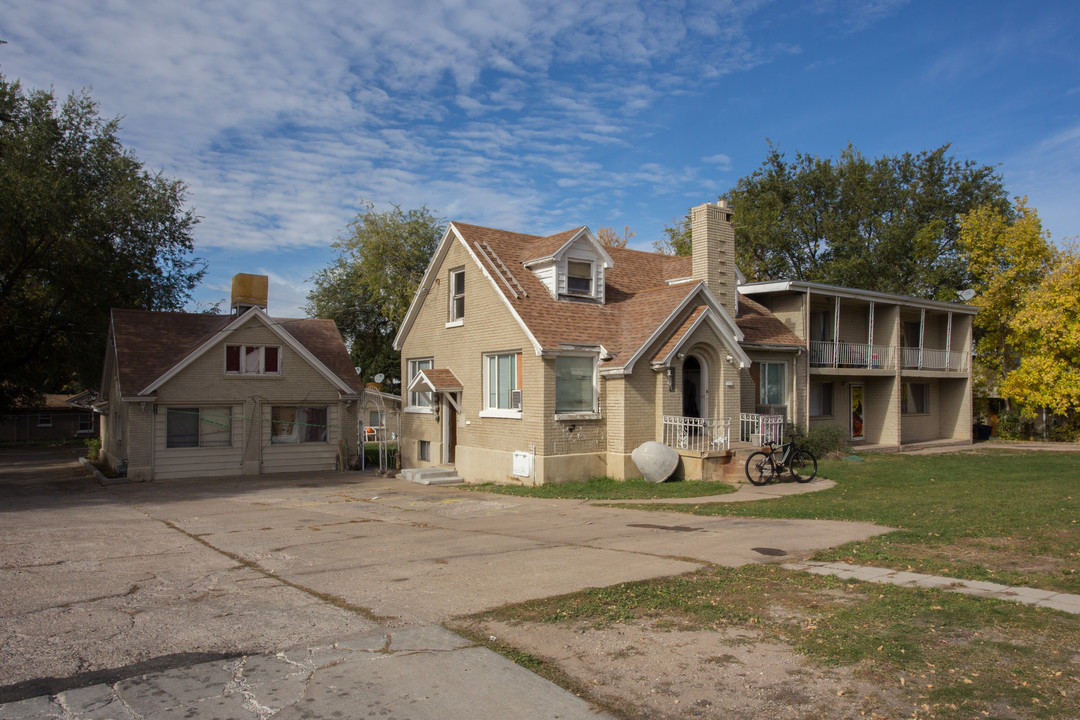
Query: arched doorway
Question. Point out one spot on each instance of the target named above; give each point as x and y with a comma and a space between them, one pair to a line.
693, 389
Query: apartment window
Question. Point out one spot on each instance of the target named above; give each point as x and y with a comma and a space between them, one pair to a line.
423, 451
198, 427
821, 325
252, 359
773, 384
916, 399
292, 425
821, 399
579, 277
375, 419
457, 295
86, 423
575, 386
44, 420
909, 335
501, 382
419, 399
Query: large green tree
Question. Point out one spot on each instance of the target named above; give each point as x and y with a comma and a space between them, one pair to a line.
369, 285
83, 228
888, 224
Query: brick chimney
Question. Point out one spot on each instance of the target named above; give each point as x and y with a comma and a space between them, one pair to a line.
713, 245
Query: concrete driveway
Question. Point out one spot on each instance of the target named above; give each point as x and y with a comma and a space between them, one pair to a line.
97, 583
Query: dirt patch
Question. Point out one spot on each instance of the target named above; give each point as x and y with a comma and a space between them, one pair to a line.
649, 670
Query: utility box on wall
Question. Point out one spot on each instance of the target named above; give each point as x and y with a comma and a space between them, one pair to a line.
523, 464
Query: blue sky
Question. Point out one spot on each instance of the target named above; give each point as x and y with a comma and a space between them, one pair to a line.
538, 116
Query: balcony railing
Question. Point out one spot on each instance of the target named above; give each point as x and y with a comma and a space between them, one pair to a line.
930, 359
852, 355
761, 429
697, 434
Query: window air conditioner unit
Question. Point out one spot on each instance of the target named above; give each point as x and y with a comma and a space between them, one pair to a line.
515, 399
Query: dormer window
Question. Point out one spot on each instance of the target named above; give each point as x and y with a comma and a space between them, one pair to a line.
579, 277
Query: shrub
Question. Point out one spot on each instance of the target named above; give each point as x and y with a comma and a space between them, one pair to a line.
822, 440
93, 449
371, 454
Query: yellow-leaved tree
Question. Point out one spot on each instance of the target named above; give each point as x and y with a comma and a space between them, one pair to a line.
1009, 257
1045, 335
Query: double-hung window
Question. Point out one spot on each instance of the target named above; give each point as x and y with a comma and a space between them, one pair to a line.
579, 277
575, 384
457, 297
502, 391
194, 427
418, 399
773, 384
252, 359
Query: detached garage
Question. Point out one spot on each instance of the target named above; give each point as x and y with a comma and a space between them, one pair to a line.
190, 395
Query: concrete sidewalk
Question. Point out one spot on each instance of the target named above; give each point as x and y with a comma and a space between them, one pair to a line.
425, 673
1028, 596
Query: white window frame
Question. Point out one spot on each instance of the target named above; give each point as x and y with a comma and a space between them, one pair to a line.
261, 370
453, 318
423, 450
86, 422
220, 412
591, 292
507, 412
763, 384
298, 425
44, 420
580, 415
414, 395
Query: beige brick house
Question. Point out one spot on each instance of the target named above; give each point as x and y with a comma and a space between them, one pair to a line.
189, 395
545, 359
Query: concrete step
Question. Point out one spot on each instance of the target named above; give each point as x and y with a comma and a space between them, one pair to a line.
431, 476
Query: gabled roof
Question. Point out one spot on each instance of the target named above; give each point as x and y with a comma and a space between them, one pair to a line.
435, 380
641, 305
151, 347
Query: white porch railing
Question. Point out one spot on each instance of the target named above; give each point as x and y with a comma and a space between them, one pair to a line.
930, 359
697, 434
852, 355
761, 429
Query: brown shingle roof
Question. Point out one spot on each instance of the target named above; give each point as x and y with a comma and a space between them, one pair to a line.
149, 343
637, 296
761, 327
442, 379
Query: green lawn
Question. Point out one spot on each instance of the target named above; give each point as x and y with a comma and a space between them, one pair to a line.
606, 488
1008, 517
1011, 517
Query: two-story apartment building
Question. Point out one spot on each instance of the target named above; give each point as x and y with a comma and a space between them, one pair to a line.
550, 358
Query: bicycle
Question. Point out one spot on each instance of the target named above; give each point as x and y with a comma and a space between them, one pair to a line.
763, 467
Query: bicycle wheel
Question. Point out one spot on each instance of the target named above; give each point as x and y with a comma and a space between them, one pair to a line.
803, 466
759, 468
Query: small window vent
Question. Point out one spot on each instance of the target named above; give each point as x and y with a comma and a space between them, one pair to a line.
515, 399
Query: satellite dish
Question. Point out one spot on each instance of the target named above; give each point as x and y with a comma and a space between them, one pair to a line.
395, 381
966, 295
379, 378
357, 369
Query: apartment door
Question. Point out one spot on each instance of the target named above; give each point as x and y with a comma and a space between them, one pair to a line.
856, 406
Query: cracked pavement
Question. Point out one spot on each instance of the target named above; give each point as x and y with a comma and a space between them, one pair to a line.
107, 590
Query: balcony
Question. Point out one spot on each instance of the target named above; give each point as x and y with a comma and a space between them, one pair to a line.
852, 355
915, 358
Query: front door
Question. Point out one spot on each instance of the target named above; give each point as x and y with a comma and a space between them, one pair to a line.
692, 387
856, 406
449, 415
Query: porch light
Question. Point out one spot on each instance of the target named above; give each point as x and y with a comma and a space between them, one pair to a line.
671, 379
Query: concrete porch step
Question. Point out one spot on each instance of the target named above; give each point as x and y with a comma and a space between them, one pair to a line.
431, 476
